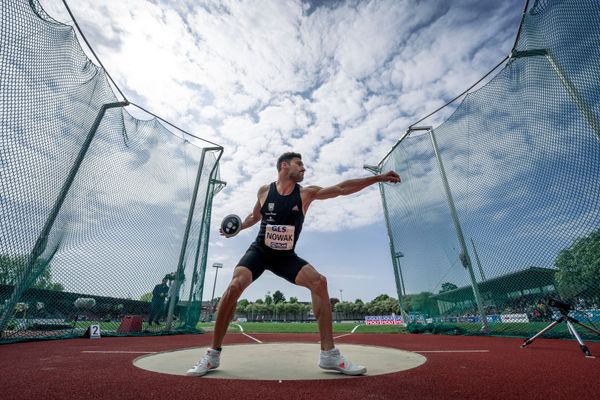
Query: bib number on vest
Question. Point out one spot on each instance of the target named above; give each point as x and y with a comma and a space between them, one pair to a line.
280, 237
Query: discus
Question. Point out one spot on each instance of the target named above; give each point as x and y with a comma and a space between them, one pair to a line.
231, 225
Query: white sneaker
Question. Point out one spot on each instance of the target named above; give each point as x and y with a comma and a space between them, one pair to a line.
332, 359
208, 362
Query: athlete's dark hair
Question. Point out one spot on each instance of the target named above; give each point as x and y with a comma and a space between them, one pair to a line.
287, 157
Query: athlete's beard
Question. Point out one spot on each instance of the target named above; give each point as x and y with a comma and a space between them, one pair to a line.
296, 176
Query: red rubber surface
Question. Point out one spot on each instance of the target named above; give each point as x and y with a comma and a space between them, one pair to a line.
546, 369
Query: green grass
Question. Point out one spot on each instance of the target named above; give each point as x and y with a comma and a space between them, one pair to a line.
522, 330
104, 326
113, 326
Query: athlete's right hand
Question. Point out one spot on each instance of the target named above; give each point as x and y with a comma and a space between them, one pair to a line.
390, 176
223, 233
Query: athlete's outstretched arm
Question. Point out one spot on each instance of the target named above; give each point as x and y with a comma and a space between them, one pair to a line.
350, 186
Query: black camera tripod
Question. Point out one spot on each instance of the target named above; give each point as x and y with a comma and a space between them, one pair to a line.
570, 321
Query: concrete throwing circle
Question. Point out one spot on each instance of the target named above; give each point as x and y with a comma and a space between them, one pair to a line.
280, 361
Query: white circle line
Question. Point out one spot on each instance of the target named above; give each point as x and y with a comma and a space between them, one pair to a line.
117, 352
451, 351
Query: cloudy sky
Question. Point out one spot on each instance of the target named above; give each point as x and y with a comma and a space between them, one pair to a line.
337, 81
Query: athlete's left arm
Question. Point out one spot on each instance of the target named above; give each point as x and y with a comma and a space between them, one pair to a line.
348, 187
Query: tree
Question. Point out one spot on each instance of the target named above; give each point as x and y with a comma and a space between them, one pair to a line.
424, 304
147, 297
381, 297
243, 303
579, 269
278, 297
268, 300
293, 300
243, 307
11, 268
448, 286
292, 308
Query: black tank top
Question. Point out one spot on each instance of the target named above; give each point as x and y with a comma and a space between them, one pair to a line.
282, 219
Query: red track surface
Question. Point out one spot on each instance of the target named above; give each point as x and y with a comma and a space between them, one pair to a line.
546, 369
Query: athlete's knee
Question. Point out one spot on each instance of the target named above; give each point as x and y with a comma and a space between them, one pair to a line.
319, 283
242, 277
235, 288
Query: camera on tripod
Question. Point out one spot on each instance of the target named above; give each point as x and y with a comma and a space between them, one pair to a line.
564, 309
561, 305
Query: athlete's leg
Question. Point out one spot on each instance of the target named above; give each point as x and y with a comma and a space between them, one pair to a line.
242, 278
317, 284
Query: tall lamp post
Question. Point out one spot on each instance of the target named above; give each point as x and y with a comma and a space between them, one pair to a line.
212, 297
341, 299
402, 294
398, 255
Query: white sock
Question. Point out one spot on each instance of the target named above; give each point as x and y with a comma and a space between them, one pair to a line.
330, 352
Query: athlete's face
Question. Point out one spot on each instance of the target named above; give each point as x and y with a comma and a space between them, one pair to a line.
296, 170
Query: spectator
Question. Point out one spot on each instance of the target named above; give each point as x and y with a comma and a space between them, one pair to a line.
158, 301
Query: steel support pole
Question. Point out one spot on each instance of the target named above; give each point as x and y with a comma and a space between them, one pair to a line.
465, 259
204, 232
42, 240
569, 86
399, 288
190, 319
186, 234
588, 115
478, 260
199, 286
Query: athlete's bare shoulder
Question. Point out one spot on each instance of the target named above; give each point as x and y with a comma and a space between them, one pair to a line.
263, 189
262, 194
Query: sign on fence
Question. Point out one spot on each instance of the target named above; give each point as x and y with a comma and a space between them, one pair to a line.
383, 320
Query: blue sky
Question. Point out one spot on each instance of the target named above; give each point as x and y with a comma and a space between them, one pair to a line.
338, 81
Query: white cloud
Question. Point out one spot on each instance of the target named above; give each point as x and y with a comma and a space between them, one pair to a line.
261, 77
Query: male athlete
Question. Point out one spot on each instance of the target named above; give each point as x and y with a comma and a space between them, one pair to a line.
281, 207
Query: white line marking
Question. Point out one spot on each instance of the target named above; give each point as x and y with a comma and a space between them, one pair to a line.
118, 352
451, 351
346, 334
242, 330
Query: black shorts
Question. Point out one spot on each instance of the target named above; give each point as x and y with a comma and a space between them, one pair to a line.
285, 264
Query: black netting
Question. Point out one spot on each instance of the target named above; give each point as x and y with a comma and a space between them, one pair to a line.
94, 203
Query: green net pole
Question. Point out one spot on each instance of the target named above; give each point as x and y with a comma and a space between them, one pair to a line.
40, 245
191, 318
465, 259
195, 298
395, 265
217, 185
186, 235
